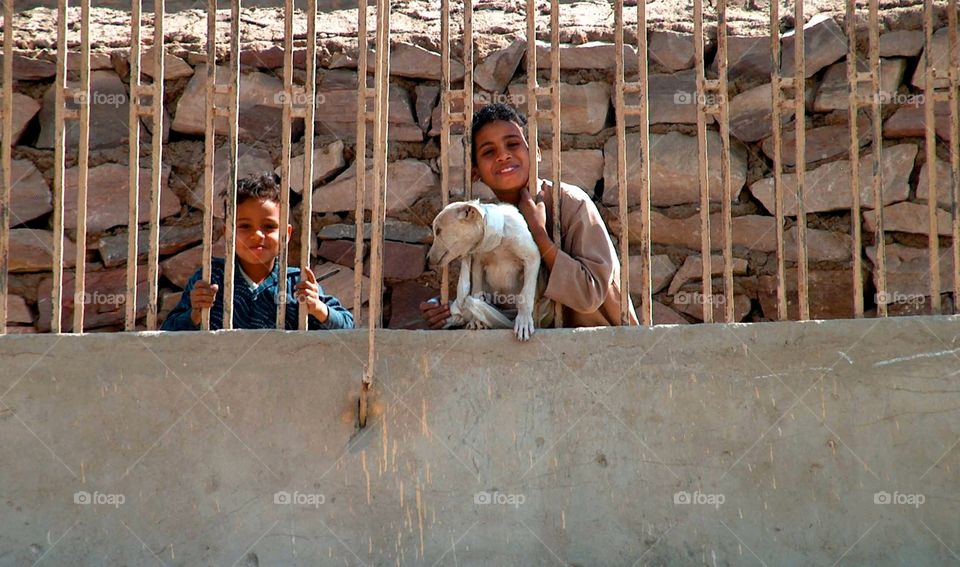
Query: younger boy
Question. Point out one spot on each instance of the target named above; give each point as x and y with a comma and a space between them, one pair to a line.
584, 272
257, 269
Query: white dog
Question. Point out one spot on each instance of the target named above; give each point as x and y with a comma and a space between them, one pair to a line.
497, 253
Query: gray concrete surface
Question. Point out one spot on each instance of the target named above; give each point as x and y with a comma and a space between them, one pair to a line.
772, 444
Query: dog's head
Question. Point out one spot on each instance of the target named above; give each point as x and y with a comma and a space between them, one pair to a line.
457, 231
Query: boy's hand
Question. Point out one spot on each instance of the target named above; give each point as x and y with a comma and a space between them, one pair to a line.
533, 212
308, 292
434, 313
202, 297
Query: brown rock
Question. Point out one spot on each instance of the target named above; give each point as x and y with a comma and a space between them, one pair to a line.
583, 108
24, 109
823, 43
833, 94
748, 58
751, 115
29, 69
179, 268
910, 119
393, 230
340, 252
426, 96
104, 298
407, 181
692, 270
830, 295
673, 99
30, 195
821, 143
98, 61
944, 181
173, 66
904, 43
405, 301
663, 315
340, 285
941, 60
674, 178
752, 231
31, 250
908, 272
672, 50
109, 114
327, 160
590, 55
583, 168
406, 60
496, 70
108, 185
172, 239
661, 272
692, 303
401, 261
827, 187
266, 56
337, 110
822, 245
250, 161
908, 217
18, 311
168, 300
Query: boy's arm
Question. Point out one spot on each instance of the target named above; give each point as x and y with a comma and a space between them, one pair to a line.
338, 317
179, 318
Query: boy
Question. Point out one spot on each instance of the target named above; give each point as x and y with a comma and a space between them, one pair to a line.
584, 272
255, 293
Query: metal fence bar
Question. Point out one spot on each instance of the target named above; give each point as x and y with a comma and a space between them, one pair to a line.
853, 110
954, 101
306, 205
6, 139
156, 172
930, 143
133, 175
83, 164
286, 131
233, 116
877, 145
467, 41
702, 165
445, 94
533, 90
379, 204
555, 146
723, 117
776, 95
209, 148
360, 162
59, 167
799, 79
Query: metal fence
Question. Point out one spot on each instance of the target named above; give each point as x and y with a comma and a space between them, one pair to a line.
712, 101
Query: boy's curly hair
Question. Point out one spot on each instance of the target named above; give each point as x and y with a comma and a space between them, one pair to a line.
492, 113
263, 185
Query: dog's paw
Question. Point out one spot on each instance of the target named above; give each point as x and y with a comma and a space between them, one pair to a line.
523, 326
476, 325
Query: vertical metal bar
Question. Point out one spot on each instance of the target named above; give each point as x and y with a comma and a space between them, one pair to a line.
6, 139
877, 145
209, 145
702, 165
954, 101
445, 131
555, 146
620, 110
361, 160
133, 219
287, 119
776, 92
83, 168
232, 139
646, 285
532, 98
724, 119
799, 101
853, 101
156, 173
310, 89
59, 167
467, 96
930, 101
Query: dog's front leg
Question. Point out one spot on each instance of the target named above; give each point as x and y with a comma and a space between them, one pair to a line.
523, 326
463, 290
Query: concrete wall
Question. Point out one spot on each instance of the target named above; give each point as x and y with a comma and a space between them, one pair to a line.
723, 445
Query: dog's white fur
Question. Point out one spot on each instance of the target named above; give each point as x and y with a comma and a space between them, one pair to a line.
496, 250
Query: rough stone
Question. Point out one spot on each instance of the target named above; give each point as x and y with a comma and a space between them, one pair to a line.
18, 311
168, 300
909, 121
941, 60
821, 143
583, 108
406, 60
30, 195
31, 250
337, 110
672, 98
426, 101
751, 115
908, 217
944, 184
748, 58
173, 238
393, 230
663, 315
903, 43
327, 160
250, 161
104, 299
692, 270
24, 109
496, 70
673, 173
180, 267
340, 285
908, 270
830, 295
672, 50
405, 301
401, 261
173, 67
833, 94
267, 56
691, 303
29, 69
107, 185
823, 43
340, 252
109, 114
822, 245
408, 180
827, 187
583, 168
661, 271
591, 55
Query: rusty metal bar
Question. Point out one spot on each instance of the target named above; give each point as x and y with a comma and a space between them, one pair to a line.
776, 92
6, 154
702, 164
83, 166
799, 78
467, 96
445, 96
555, 146
853, 101
306, 204
361, 159
954, 101
156, 170
59, 167
379, 204
877, 145
724, 120
532, 99
286, 132
209, 145
133, 179
232, 141
930, 143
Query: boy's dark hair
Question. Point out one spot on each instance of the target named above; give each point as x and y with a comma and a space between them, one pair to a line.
263, 185
492, 113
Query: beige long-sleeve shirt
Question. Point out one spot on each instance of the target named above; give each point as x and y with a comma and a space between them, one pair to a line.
586, 274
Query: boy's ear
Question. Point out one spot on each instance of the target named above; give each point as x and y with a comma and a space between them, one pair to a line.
539, 156
474, 174
289, 232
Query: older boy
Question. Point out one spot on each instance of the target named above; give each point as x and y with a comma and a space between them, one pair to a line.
584, 272
258, 268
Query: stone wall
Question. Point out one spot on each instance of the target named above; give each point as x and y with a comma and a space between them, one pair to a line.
589, 158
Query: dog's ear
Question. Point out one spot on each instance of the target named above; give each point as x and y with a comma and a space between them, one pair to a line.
470, 211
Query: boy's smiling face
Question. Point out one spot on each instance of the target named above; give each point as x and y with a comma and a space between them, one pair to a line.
258, 235
503, 158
